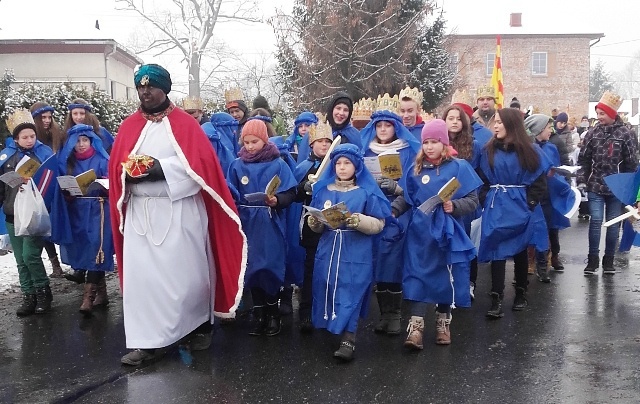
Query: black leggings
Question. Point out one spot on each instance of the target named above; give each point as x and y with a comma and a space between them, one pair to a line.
94, 276
498, 269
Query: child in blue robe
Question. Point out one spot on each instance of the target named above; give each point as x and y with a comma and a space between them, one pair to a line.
385, 133
80, 111
224, 154
228, 129
514, 174
27, 250
343, 270
92, 247
263, 221
297, 142
437, 250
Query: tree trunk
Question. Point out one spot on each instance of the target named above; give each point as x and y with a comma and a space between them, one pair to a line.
194, 75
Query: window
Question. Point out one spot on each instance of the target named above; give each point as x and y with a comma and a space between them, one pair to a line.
539, 63
491, 58
453, 62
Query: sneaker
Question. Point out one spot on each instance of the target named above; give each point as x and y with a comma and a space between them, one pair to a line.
472, 290
138, 356
607, 265
345, 352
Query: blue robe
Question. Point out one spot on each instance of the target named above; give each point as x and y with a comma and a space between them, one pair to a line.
225, 156
228, 129
90, 224
264, 227
624, 186
481, 134
416, 130
508, 225
349, 135
438, 250
107, 139
561, 196
343, 270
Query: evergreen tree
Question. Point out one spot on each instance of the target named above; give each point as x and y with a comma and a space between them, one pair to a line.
599, 82
432, 72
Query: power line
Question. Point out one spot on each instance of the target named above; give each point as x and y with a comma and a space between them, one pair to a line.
616, 56
616, 43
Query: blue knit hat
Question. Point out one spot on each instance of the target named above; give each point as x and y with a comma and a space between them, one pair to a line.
153, 75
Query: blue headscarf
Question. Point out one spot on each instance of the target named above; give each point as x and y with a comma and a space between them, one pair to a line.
72, 138
42, 110
297, 139
306, 117
228, 129
153, 75
364, 179
368, 133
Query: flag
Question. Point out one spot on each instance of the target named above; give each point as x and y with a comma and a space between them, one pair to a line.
496, 76
45, 180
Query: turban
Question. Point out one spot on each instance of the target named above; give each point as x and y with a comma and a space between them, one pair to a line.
153, 75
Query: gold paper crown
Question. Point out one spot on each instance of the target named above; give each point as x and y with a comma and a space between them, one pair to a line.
427, 116
611, 100
486, 91
233, 94
321, 130
19, 117
462, 97
192, 103
363, 109
413, 94
388, 103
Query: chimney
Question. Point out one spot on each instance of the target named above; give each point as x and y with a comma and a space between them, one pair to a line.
515, 20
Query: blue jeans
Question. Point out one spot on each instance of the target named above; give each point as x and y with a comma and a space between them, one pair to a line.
597, 205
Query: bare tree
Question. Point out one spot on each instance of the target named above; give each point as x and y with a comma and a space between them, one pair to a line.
188, 26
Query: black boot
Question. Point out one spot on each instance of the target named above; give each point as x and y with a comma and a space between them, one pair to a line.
345, 351
43, 302
273, 320
496, 306
542, 272
520, 302
394, 327
556, 263
286, 301
607, 265
593, 262
28, 306
259, 321
76, 276
382, 296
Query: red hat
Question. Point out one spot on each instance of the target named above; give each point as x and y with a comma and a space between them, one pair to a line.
256, 128
466, 108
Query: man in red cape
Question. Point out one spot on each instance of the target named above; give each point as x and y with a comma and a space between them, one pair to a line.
170, 132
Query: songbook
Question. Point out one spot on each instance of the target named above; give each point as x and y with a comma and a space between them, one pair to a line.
270, 190
25, 169
333, 216
444, 194
385, 165
82, 184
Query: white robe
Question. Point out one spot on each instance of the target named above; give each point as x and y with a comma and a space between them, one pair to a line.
167, 282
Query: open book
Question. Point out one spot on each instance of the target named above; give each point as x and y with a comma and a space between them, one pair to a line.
270, 190
26, 168
333, 216
386, 165
82, 184
444, 194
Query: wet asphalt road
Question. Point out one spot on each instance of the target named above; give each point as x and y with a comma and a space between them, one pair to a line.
578, 342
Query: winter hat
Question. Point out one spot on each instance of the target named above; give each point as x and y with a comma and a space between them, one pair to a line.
154, 75
435, 129
562, 117
609, 103
256, 128
261, 102
536, 123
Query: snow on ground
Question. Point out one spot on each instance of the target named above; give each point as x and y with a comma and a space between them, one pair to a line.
9, 271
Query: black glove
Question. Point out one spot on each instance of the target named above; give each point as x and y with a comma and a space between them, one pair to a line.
154, 173
388, 186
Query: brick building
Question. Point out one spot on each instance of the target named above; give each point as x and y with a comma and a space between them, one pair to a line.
545, 71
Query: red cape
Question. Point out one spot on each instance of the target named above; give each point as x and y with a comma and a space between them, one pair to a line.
228, 242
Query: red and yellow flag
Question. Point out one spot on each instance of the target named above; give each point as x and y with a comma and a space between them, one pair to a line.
496, 77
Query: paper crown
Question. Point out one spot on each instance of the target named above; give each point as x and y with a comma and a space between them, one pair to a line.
411, 93
20, 116
233, 94
321, 130
388, 103
486, 91
462, 97
427, 116
611, 100
192, 103
363, 109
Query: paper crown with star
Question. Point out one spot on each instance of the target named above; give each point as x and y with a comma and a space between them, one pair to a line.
411, 93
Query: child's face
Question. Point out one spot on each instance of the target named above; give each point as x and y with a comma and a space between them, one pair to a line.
320, 147
340, 113
26, 138
385, 132
409, 112
83, 144
345, 170
454, 121
77, 115
252, 144
236, 113
433, 148
303, 129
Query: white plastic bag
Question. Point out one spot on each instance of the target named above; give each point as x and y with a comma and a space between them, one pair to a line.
30, 213
475, 232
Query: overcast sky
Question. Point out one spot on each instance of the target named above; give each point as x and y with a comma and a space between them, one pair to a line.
73, 20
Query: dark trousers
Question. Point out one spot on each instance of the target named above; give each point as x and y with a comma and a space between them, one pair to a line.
94, 276
498, 269
391, 287
50, 248
261, 298
306, 293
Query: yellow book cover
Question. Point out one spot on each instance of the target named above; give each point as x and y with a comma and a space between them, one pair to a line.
450, 188
272, 186
85, 179
28, 168
390, 165
336, 215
